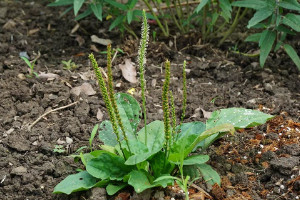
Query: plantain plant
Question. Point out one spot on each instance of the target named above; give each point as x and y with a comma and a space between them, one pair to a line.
159, 153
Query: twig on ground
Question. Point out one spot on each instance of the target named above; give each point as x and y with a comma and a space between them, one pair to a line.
200, 189
48, 112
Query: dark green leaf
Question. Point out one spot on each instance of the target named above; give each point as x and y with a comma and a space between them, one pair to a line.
77, 4
61, 3
77, 182
253, 38
292, 20
131, 3
226, 9
159, 165
254, 4
140, 181
290, 4
97, 10
113, 189
84, 14
209, 174
108, 166
65, 12
116, 4
266, 47
293, 54
201, 5
259, 16
129, 16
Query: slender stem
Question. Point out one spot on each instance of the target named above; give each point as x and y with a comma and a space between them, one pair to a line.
166, 33
234, 24
203, 29
127, 28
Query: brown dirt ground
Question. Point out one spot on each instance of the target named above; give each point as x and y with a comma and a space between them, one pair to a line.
258, 163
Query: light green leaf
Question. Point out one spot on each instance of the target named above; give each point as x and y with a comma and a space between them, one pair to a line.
130, 112
131, 3
27, 61
116, 4
195, 159
254, 4
97, 10
259, 16
61, 3
77, 5
93, 134
185, 145
253, 38
226, 9
238, 117
155, 136
140, 181
84, 14
266, 47
108, 166
78, 182
201, 5
107, 135
293, 54
292, 20
209, 174
113, 189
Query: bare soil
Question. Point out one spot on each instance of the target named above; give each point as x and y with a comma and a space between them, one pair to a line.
258, 163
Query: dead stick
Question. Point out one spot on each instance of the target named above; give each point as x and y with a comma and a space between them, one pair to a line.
50, 111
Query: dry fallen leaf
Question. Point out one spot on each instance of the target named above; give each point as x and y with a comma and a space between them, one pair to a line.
206, 114
33, 31
9, 25
99, 115
51, 76
94, 48
80, 40
196, 113
128, 71
102, 41
85, 88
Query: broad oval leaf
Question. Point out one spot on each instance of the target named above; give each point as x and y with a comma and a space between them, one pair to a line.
195, 159
108, 166
107, 135
130, 112
78, 182
112, 189
209, 174
139, 180
238, 117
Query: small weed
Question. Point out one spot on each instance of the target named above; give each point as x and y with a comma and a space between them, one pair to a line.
69, 65
59, 149
31, 65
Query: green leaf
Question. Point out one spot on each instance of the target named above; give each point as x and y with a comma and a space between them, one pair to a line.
131, 3
27, 61
140, 181
155, 136
93, 134
130, 112
129, 16
259, 16
292, 20
201, 5
263, 36
116, 4
195, 159
77, 4
253, 38
226, 9
78, 182
293, 54
61, 3
185, 145
254, 4
266, 47
66, 11
97, 10
159, 165
238, 117
113, 189
290, 4
84, 14
284, 29
191, 171
108, 166
107, 135
209, 174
